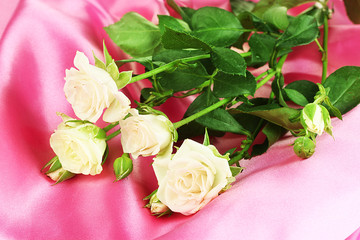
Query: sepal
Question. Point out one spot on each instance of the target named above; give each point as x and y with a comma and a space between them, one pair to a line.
99, 63
327, 120
230, 180
206, 138
157, 208
121, 79
145, 109
236, 170
56, 172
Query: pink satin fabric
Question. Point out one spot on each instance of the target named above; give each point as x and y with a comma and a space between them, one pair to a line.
278, 196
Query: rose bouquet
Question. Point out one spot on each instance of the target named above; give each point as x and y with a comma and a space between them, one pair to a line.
219, 59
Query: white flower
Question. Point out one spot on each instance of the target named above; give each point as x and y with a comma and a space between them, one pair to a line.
90, 90
315, 118
157, 207
192, 177
79, 146
146, 135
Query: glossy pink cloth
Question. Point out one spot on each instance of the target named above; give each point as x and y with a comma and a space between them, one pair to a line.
279, 196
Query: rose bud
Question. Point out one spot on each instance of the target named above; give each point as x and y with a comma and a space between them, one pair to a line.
157, 207
56, 172
315, 118
304, 147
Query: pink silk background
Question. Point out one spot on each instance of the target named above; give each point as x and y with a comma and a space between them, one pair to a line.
279, 196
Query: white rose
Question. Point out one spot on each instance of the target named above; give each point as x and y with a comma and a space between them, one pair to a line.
146, 135
315, 118
157, 207
79, 146
192, 177
90, 90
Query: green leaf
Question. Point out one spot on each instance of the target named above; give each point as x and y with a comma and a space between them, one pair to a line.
145, 61
174, 6
238, 6
216, 26
169, 55
194, 129
123, 166
262, 46
302, 30
273, 113
296, 97
352, 10
228, 61
273, 133
227, 85
317, 13
344, 86
202, 101
186, 14
249, 21
219, 119
249, 122
185, 78
135, 35
301, 92
277, 15
173, 39
145, 94
264, 5
173, 23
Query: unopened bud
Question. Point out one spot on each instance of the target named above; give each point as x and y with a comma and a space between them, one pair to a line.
123, 166
156, 206
304, 147
316, 118
56, 172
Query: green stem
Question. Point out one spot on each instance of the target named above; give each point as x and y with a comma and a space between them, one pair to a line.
239, 156
263, 74
110, 126
319, 45
174, 64
245, 54
114, 134
202, 112
266, 79
168, 66
325, 48
280, 63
